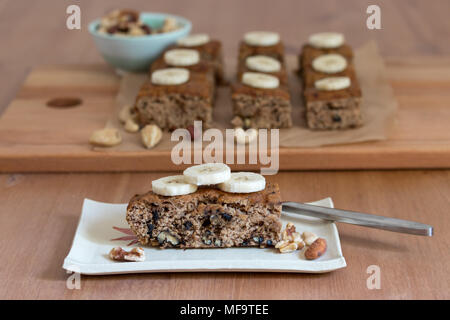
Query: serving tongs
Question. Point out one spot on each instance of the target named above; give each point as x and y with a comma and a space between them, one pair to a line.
358, 218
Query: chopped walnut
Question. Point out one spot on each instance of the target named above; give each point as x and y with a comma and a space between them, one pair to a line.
134, 255
291, 240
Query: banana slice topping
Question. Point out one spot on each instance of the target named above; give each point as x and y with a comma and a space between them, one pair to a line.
170, 76
173, 186
261, 38
244, 182
329, 63
260, 80
333, 83
181, 57
263, 64
207, 174
326, 40
194, 40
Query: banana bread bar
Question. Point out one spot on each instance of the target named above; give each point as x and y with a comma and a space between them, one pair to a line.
261, 108
208, 218
330, 109
176, 106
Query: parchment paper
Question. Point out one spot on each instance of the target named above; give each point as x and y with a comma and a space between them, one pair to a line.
378, 106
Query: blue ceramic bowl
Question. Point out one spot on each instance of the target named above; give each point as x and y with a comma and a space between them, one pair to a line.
135, 54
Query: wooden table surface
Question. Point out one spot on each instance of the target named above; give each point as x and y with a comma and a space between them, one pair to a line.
39, 212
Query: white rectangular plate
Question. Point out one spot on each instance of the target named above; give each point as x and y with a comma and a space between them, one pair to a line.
92, 243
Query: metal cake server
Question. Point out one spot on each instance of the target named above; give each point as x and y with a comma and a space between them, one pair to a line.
360, 219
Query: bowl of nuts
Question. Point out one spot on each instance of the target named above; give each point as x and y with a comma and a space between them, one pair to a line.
130, 41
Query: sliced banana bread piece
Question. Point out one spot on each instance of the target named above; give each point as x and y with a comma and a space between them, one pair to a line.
207, 218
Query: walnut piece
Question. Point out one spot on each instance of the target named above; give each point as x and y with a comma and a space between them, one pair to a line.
167, 237
291, 240
134, 255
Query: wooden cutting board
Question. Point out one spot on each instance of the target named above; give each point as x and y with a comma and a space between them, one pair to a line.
38, 138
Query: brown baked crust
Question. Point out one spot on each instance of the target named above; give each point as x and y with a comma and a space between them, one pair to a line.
239, 88
198, 85
312, 94
201, 67
210, 50
309, 53
275, 51
207, 218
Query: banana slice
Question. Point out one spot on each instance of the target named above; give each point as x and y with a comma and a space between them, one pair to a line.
261, 38
170, 76
260, 80
263, 64
326, 40
181, 57
244, 182
332, 83
329, 63
207, 174
194, 40
173, 186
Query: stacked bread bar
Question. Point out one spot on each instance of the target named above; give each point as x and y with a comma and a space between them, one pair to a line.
260, 95
182, 86
331, 90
